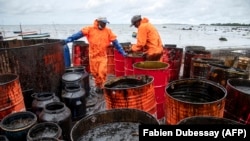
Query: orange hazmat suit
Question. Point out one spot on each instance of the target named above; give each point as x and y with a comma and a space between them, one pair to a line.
99, 41
148, 41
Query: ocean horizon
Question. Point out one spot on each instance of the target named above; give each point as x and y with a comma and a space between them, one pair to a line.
181, 35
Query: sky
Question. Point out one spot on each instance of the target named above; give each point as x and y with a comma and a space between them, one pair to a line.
28, 12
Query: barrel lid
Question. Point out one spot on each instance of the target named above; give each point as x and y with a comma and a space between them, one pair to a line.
72, 76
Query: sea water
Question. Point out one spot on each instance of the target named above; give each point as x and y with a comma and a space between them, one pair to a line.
181, 35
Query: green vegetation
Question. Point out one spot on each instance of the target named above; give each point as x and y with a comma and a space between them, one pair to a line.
230, 24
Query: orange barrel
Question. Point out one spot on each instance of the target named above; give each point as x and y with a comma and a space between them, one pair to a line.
173, 56
130, 60
192, 97
200, 68
221, 73
130, 92
80, 54
111, 62
237, 100
11, 96
119, 63
159, 71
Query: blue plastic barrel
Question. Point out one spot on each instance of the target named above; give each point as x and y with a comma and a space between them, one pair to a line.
66, 56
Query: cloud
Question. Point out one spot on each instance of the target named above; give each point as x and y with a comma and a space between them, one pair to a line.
121, 11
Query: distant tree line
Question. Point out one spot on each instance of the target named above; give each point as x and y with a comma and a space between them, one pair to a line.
230, 24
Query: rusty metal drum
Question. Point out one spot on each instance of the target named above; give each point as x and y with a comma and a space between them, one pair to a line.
173, 56
11, 97
159, 70
135, 92
221, 73
193, 97
189, 54
238, 100
200, 66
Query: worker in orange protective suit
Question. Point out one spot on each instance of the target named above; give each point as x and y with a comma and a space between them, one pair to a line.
99, 38
148, 39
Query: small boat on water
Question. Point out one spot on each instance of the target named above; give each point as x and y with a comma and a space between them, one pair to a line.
10, 38
39, 35
25, 33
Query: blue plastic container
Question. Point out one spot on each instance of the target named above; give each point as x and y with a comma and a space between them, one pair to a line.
66, 56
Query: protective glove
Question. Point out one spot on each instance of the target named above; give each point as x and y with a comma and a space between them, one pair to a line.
118, 46
74, 37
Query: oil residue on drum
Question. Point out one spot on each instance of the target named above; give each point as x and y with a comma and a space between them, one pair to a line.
193, 96
126, 83
117, 131
130, 92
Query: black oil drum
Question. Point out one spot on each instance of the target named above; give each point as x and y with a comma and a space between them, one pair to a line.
41, 99
75, 99
85, 76
59, 113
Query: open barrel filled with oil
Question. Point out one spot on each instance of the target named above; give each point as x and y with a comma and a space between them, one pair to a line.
205, 120
131, 92
114, 124
193, 97
237, 100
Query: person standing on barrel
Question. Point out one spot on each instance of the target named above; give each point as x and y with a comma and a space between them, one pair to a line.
148, 39
99, 38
